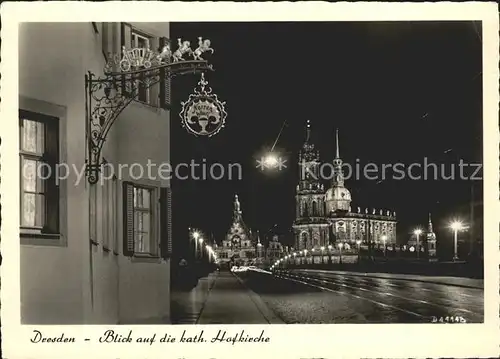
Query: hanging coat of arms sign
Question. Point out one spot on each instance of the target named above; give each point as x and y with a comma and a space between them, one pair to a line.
203, 114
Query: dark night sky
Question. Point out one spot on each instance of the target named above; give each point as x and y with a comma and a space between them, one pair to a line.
397, 91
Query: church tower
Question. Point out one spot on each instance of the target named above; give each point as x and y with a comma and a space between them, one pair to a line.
338, 198
238, 235
310, 226
430, 238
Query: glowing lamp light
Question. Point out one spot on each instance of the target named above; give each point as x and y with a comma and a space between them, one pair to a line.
271, 160
322, 249
412, 249
341, 245
457, 225
358, 242
200, 240
330, 247
417, 231
196, 234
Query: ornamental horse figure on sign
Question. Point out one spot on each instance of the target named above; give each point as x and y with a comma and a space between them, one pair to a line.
203, 46
184, 47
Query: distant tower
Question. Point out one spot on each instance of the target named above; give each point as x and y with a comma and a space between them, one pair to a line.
430, 238
310, 226
238, 235
259, 249
337, 197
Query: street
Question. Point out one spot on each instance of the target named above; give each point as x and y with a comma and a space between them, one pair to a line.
312, 296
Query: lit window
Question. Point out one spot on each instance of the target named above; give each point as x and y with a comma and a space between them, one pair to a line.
39, 153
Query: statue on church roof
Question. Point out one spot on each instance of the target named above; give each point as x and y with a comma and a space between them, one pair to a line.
237, 207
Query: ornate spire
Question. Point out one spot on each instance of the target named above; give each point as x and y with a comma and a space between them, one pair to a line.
308, 130
338, 173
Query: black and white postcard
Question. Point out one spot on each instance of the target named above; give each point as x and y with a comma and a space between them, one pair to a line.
241, 180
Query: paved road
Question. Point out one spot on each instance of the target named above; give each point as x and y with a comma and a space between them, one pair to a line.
220, 298
308, 296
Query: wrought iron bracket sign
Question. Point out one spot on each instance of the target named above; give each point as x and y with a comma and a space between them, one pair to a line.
124, 74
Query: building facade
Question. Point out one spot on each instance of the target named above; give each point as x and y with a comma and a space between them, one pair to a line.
239, 247
325, 218
90, 254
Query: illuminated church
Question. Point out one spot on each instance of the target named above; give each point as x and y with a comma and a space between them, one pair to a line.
240, 247
325, 217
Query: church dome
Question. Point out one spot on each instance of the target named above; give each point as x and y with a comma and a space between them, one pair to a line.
338, 193
337, 198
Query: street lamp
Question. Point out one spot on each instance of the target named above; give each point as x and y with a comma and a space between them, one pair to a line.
358, 243
195, 235
322, 255
200, 241
417, 233
340, 252
456, 226
271, 161
384, 239
210, 253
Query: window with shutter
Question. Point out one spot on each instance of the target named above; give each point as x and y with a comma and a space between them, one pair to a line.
166, 221
125, 40
140, 220
39, 154
128, 219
